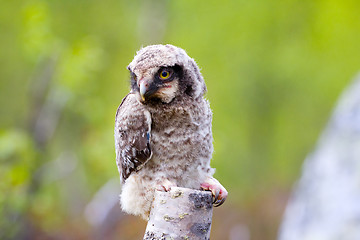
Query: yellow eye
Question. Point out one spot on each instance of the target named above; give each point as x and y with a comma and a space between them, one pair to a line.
164, 74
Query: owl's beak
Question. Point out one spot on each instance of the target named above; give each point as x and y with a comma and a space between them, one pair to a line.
147, 89
142, 91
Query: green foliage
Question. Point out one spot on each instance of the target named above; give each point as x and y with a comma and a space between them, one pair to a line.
273, 69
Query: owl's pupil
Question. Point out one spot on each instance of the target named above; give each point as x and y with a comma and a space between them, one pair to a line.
164, 74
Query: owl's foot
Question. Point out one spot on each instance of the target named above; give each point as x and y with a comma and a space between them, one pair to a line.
165, 185
218, 191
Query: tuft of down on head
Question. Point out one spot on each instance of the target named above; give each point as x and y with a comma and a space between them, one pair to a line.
165, 72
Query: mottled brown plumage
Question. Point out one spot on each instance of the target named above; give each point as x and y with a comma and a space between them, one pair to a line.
163, 132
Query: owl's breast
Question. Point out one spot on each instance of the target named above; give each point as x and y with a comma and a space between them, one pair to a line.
181, 142
173, 139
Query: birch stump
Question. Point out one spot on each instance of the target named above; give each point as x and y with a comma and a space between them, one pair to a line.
181, 213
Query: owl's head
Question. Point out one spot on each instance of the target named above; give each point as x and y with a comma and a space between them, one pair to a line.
163, 73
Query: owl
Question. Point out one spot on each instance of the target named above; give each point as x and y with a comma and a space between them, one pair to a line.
163, 135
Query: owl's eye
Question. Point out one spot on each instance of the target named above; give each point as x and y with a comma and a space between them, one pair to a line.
164, 74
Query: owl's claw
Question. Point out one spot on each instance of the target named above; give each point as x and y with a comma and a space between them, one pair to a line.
219, 202
218, 191
216, 195
165, 186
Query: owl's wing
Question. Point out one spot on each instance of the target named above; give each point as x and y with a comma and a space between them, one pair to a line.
132, 136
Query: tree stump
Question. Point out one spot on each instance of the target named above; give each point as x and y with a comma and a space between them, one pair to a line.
181, 213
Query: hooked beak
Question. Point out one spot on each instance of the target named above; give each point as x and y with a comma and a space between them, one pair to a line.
147, 89
143, 89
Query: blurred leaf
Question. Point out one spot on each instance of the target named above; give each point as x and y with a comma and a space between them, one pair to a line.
37, 37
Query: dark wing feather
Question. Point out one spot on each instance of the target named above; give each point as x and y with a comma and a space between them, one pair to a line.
132, 136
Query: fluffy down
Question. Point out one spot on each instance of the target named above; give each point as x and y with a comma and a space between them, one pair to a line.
165, 140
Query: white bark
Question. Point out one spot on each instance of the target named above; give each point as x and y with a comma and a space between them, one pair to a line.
182, 214
326, 201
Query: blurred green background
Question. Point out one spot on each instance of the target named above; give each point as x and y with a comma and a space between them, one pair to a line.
274, 70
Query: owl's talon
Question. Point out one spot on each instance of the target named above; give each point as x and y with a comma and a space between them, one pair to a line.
165, 186
218, 191
219, 202
216, 195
